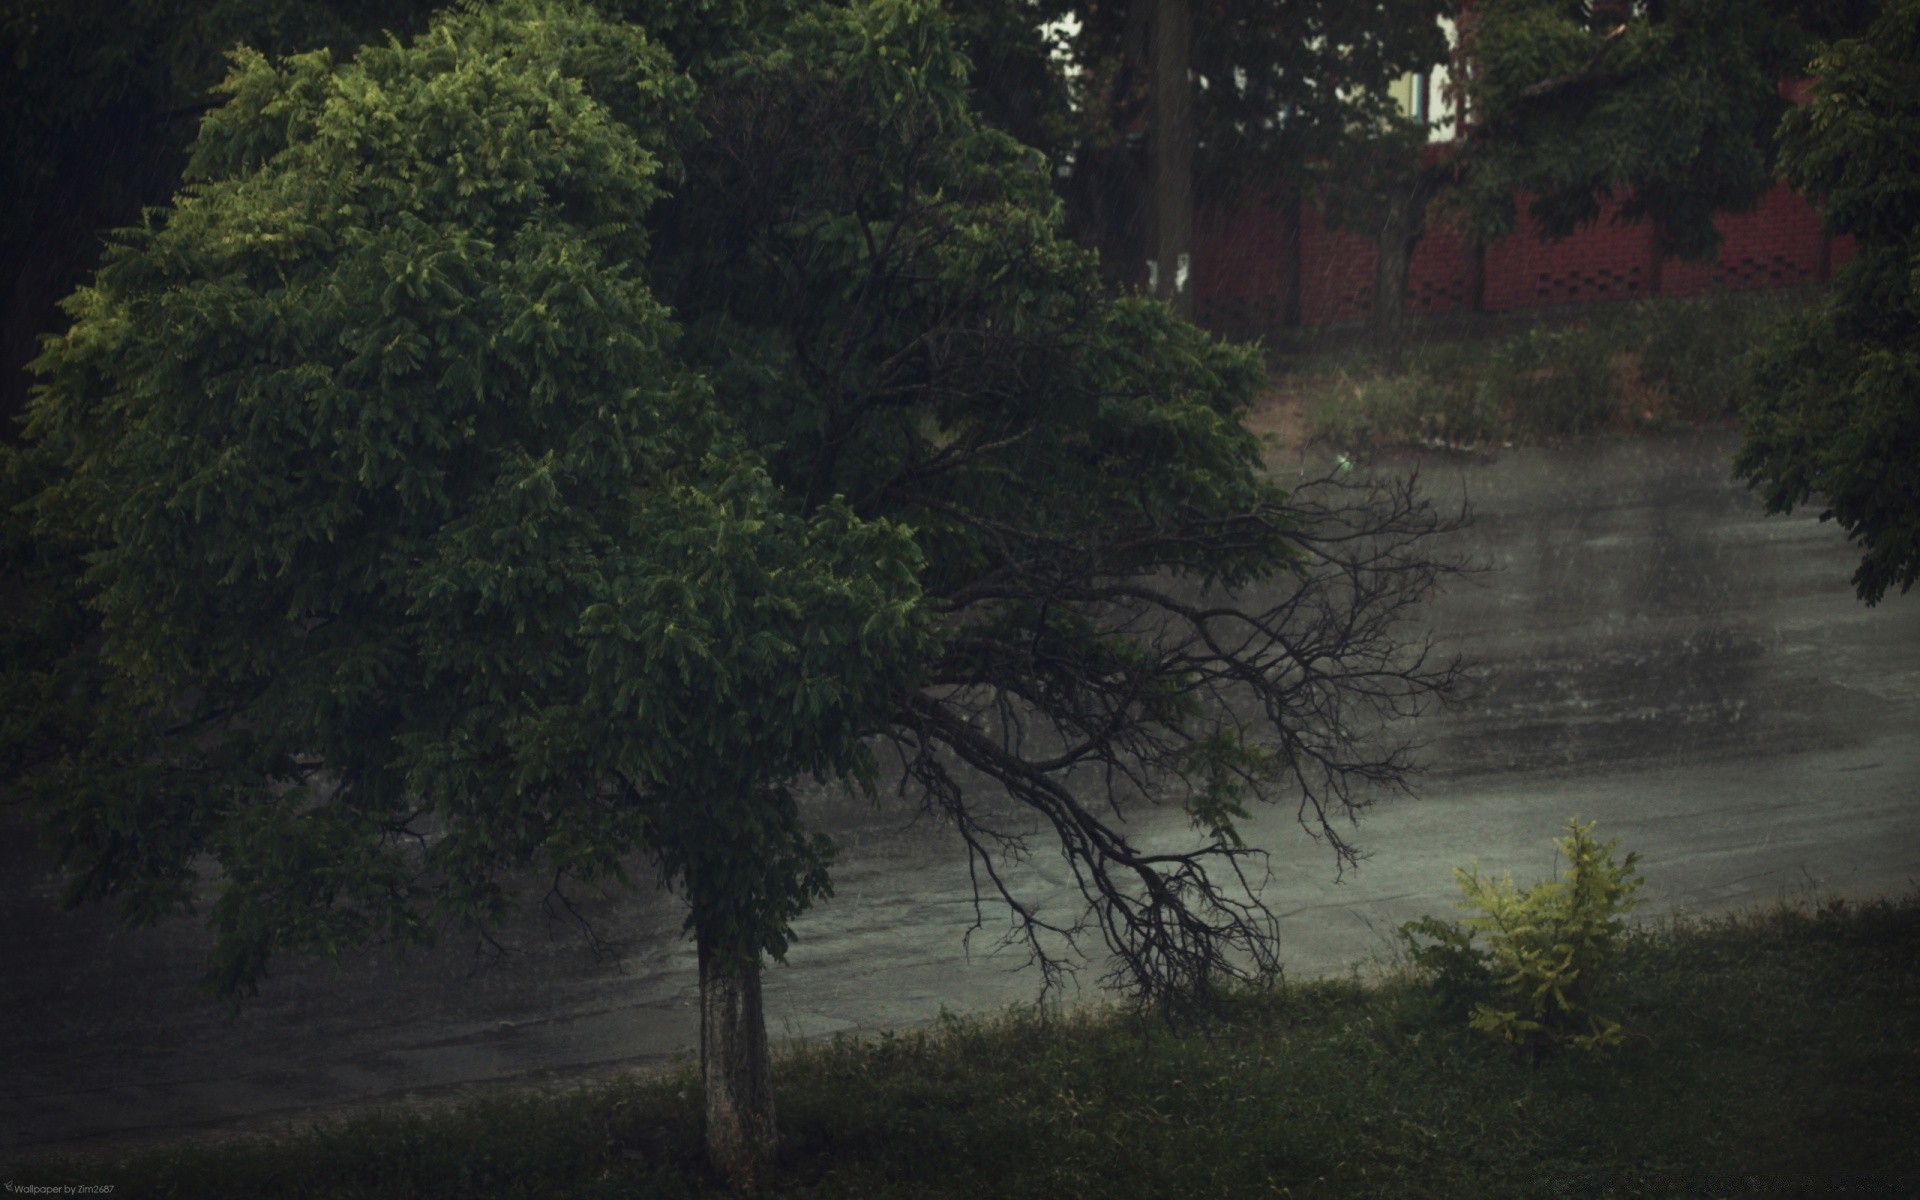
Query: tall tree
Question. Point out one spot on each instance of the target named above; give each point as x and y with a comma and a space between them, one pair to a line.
535, 446
417, 558
1170, 138
1273, 86
1836, 394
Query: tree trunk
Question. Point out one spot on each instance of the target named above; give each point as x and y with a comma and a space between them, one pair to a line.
1400, 231
1170, 146
1476, 276
1291, 246
733, 1066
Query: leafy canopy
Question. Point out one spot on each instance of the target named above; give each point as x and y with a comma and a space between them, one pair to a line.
417, 554
1836, 395
1669, 106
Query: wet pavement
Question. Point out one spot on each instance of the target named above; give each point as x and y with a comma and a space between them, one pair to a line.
1651, 653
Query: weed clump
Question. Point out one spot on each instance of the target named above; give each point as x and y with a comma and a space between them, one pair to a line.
1650, 363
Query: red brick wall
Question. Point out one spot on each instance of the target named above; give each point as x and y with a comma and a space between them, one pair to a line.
1438, 277
1239, 268
1776, 245
1336, 273
1604, 261
1238, 251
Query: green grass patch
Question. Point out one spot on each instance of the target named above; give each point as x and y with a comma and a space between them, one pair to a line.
1652, 363
1774, 1053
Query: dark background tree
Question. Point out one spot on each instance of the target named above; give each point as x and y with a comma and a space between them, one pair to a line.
1275, 87
1835, 412
1669, 108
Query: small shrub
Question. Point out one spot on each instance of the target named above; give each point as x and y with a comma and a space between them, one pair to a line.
1694, 350
1551, 381
1532, 984
1658, 360
1447, 407
1359, 412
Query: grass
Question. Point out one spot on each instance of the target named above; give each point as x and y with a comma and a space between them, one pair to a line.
1772, 1053
1654, 363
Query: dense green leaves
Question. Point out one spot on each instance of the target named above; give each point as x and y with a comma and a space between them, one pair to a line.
418, 556
1836, 407
1548, 947
1668, 107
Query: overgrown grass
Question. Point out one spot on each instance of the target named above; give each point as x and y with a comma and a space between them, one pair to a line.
1653, 363
1775, 1053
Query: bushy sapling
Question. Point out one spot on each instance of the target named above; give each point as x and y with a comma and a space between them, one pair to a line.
1532, 982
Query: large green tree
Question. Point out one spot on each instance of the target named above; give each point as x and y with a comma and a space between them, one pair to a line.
1835, 412
537, 445
878, 286
419, 557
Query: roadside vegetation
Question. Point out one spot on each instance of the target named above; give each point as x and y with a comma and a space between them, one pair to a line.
1768, 1053
1651, 364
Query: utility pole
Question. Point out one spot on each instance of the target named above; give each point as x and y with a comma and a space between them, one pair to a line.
1170, 158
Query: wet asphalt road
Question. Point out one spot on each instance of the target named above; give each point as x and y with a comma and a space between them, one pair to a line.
1652, 653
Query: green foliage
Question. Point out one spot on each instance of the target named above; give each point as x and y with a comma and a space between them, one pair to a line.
1548, 946
1442, 399
1541, 382
1835, 413
1458, 974
1658, 360
98, 105
1554, 381
415, 557
1670, 107
1695, 352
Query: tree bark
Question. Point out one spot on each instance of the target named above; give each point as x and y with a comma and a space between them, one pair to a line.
1401, 228
741, 1138
1170, 146
1291, 246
